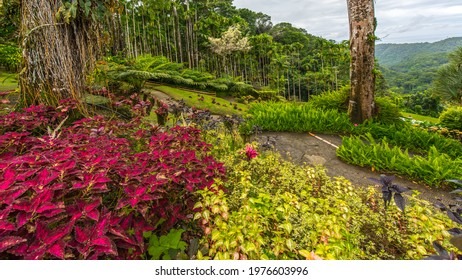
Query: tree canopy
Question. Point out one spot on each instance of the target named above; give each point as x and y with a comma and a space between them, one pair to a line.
281, 57
448, 82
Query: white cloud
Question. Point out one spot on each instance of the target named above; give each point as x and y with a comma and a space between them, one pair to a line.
398, 20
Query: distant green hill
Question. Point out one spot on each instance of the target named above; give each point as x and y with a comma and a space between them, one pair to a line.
392, 54
412, 67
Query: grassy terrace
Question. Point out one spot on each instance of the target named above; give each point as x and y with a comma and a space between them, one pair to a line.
8, 81
420, 117
201, 101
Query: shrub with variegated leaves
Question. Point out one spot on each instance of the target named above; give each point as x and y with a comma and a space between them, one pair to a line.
90, 190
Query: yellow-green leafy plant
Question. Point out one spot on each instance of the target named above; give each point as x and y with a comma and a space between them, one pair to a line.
454, 213
268, 208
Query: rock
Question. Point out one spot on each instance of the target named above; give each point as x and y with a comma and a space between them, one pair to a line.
314, 160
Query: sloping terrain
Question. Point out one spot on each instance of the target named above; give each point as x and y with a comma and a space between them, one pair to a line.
393, 54
412, 68
302, 148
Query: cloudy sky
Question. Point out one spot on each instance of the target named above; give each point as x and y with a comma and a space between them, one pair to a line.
399, 21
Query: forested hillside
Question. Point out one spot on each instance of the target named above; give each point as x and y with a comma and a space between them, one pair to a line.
234, 44
237, 44
412, 67
394, 54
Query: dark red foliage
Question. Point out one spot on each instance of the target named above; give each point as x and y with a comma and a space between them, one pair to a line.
250, 152
162, 110
36, 118
92, 191
140, 105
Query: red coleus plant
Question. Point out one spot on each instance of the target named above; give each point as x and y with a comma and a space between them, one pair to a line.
35, 119
250, 152
87, 193
140, 105
162, 110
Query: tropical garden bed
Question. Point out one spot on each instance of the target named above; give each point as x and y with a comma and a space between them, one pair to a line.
71, 190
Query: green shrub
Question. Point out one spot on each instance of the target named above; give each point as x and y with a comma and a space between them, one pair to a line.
272, 209
387, 111
245, 99
10, 57
135, 73
424, 103
214, 86
238, 89
155, 64
334, 100
451, 118
413, 138
166, 247
267, 95
297, 117
433, 169
197, 76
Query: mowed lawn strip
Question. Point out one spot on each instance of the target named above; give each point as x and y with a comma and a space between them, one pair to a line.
201, 101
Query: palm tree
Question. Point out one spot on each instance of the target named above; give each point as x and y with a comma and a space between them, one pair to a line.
448, 82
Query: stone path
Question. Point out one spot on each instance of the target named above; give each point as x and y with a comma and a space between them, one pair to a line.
301, 148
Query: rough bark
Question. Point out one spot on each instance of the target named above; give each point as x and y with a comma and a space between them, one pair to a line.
362, 45
57, 56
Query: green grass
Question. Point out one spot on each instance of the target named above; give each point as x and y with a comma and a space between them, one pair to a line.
96, 99
417, 140
433, 168
221, 106
298, 117
8, 81
420, 117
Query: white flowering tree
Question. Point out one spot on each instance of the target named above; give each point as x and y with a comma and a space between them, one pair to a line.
230, 43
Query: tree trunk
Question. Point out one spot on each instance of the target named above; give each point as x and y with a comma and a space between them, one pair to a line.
56, 56
196, 40
187, 42
362, 44
115, 26
175, 45
129, 44
160, 36
146, 45
178, 33
118, 36
135, 47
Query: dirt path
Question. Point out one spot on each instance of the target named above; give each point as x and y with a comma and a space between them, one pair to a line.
159, 95
301, 148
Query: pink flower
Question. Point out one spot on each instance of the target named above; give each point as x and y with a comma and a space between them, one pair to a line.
356, 124
250, 152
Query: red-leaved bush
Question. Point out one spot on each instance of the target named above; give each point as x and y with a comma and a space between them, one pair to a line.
91, 191
250, 152
36, 119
